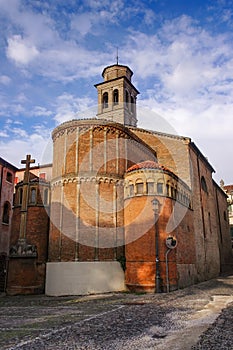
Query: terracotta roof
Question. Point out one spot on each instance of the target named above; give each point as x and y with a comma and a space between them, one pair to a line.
148, 164
228, 187
40, 180
34, 180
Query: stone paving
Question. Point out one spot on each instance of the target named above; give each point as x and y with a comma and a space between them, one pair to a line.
198, 317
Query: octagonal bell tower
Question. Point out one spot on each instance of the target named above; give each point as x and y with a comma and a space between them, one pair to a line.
117, 96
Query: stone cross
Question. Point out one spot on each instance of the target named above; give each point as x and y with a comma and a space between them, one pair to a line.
27, 161
23, 221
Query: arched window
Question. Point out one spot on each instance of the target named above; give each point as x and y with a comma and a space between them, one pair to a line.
168, 190
6, 213
160, 188
189, 202
139, 188
20, 196
126, 98
203, 184
105, 100
131, 190
115, 97
132, 104
150, 187
178, 195
172, 192
46, 196
182, 196
33, 196
9, 177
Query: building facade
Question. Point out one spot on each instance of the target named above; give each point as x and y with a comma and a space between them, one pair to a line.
229, 191
7, 181
105, 234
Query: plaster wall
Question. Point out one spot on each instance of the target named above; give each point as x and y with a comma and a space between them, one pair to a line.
81, 278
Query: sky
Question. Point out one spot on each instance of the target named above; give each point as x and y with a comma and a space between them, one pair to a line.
53, 52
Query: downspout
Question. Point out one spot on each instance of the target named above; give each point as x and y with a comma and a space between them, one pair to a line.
167, 270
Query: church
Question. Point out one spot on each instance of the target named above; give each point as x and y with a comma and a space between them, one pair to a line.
124, 208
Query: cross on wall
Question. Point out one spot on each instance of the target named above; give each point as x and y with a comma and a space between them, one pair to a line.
27, 161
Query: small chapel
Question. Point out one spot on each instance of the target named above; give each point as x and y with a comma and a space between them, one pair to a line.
124, 208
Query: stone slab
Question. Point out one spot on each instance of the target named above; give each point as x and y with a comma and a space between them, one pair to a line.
82, 278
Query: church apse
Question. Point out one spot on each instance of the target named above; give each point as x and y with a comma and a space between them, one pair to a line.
87, 189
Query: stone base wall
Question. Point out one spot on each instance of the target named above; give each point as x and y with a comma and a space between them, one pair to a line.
82, 278
25, 276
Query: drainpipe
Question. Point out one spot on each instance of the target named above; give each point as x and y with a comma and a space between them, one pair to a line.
167, 270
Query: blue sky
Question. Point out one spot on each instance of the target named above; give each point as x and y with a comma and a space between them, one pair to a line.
181, 53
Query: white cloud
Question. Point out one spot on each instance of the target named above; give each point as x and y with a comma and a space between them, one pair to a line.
30, 23
71, 107
5, 80
20, 142
227, 15
54, 48
34, 145
83, 23
9, 121
18, 132
41, 111
149, 16
20, 50
192, 70
193, 85
3, 134
21, 97
17, 122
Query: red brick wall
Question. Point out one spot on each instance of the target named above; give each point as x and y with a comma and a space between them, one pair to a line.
206, 226
7, 191
140, 253
224, 237
172, 152
27, 275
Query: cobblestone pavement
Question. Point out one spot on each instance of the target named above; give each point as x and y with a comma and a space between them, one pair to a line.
198, 317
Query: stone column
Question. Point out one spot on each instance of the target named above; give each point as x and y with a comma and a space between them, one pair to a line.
115, 218
77, 222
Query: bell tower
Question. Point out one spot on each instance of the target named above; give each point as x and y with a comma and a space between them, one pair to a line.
117, 96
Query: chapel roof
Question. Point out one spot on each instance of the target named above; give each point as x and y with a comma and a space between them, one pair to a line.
34, 180
148, 164
228, 188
